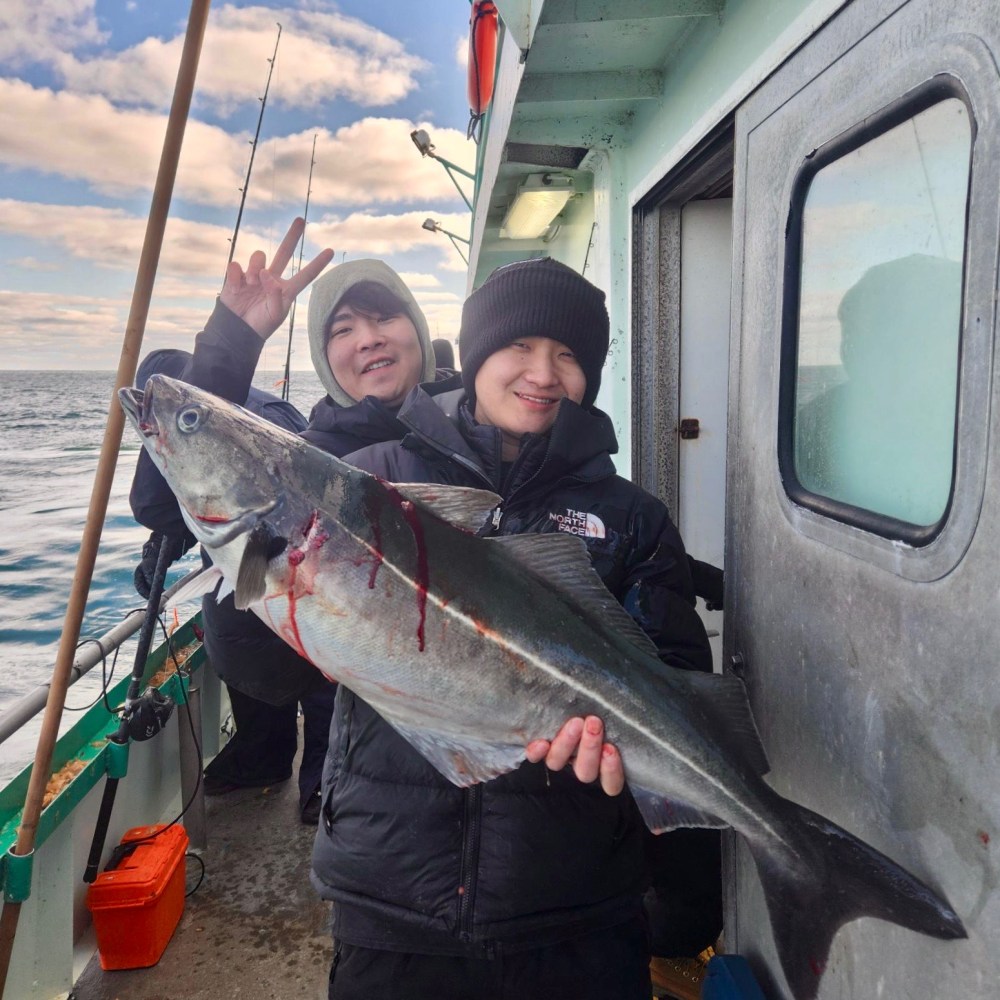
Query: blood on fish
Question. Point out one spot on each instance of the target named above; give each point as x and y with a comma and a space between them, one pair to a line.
817, 968
311, 523
984, 837
320, 539
299, 648
410, 515
295, 557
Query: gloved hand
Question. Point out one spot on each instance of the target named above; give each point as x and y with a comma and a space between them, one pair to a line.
709, 583
143, 576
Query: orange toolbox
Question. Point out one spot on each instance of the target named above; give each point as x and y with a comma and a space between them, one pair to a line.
137, 905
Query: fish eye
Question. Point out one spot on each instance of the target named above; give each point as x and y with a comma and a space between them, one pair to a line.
189, 419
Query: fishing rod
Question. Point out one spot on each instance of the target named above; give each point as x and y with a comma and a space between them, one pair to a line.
135, 327
88, 656
302, 245
253, 149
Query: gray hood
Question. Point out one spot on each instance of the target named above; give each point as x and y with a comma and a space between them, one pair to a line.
330, 288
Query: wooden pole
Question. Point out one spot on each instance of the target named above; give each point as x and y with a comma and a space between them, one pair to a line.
128, 361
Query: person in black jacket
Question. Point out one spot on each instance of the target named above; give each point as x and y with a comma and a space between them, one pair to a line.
530, 885
263, 747
370, 345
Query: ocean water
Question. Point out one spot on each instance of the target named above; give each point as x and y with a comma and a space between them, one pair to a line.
51, 429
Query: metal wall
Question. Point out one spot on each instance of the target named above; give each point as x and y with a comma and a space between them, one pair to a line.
871, 663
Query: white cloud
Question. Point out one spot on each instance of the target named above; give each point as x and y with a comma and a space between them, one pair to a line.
36, 31
34, 264
84, 331
462, 51
415, 279
321, 56
116, 151
194, 253
112, 238
361, 233
371, 160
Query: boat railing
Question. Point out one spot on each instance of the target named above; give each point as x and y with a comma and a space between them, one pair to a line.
90, 655
162, 782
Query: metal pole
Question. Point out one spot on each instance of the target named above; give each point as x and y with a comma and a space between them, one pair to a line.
135, 327
253, 150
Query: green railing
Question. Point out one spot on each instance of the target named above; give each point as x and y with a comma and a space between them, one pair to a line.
87, 742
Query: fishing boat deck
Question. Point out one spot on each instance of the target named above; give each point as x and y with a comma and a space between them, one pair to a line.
255, 928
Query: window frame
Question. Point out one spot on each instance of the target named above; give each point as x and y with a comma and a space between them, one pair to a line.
921, 98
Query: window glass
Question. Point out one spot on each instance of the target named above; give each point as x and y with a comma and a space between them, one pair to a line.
879, 319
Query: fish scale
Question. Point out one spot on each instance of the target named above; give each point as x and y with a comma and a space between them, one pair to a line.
471, 647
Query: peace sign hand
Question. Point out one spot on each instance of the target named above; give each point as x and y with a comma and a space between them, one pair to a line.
260, 296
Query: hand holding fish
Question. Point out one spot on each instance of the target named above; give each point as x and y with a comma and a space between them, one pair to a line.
582, 740
259, 295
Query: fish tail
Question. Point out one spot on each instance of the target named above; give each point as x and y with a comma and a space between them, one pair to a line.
835, 879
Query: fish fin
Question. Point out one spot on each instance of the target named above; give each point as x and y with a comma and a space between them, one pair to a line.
466, 761
838, 878
724, 698
460, 506
662, 814
204, 583
562, 560
224, 591
262, 546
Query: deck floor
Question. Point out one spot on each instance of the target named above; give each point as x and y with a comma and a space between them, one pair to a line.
255, 929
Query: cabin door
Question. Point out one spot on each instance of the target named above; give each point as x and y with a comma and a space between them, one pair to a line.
863, 517
683, 271
706, 238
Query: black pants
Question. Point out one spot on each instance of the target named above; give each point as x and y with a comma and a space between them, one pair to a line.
611, 964
263, 748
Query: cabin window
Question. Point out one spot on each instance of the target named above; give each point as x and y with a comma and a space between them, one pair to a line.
870, 384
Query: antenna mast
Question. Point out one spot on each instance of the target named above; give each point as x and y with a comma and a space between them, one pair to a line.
253, 149
302, 244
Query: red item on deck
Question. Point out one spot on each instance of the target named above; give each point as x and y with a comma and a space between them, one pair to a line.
137, 906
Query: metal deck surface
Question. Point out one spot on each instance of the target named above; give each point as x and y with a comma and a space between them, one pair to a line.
255, 929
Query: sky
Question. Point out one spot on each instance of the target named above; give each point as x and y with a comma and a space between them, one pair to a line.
85, 88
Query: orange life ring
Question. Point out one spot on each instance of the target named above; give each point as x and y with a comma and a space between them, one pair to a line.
482, 55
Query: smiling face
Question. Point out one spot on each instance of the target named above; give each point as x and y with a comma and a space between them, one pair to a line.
519, 388
372, 354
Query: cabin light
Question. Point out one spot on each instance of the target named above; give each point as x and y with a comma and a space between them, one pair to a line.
426, 148
435, 227
538, 201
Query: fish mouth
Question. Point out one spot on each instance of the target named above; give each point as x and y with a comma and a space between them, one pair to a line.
134, 402
214, 530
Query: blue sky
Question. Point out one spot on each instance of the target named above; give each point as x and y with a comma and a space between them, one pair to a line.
85, 86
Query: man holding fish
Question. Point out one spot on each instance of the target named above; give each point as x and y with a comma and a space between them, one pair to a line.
535, 335
529, 885
470, 648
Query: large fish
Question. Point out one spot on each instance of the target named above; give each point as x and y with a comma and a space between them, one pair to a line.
471, 647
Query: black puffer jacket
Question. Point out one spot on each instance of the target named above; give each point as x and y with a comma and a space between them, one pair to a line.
244, 651
416, 864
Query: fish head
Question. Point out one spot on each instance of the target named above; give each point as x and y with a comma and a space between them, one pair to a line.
222, 463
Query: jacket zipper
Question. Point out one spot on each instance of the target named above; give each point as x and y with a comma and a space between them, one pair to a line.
470, 861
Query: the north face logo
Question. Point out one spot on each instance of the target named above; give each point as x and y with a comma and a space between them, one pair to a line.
579, 522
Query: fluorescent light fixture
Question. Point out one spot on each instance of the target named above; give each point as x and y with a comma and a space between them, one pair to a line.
538, 201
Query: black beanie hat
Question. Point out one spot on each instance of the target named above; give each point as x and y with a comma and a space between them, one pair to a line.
535, 298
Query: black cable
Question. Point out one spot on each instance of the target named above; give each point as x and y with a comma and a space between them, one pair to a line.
106, 678
171, 652
201, 877
132, 844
